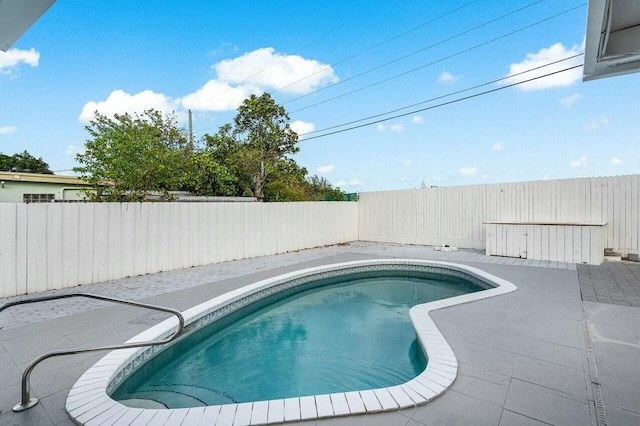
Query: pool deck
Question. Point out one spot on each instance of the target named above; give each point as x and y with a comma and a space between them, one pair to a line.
525, 358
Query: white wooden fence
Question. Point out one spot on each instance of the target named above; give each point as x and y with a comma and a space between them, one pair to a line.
51, 246
454, 215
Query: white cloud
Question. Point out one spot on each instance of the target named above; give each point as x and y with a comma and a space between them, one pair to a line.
484, 177
74, 149
596, 123
446, 77
545, 56
398, 127
121, 102
615, 161
326, 169
547, 176
218, 95
380, 127
12, 58
568, 101
407, 163
239, 78
66, 173
268, 69
580, 163
302, 128
8, 129
469, 171
497, 146
417, 119
352, 182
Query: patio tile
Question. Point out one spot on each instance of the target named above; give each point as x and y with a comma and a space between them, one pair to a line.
619, 417
547, 405
54, 406
618, 361
551, 352
555, 330
454, 408
621, 393
564, 307
33, 416
482, 384
25, 349
481, 356
479, 335
509, 418
9, 373
379, 419
500, 323
554, 376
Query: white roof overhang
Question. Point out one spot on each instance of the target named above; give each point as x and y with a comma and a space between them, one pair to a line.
16, 16
612, 45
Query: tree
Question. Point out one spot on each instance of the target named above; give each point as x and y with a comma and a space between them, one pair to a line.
24, 162
320, 189
129, 156
263, 127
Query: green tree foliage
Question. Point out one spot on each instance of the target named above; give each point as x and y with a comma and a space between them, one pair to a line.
23, 162
257, 148
320, 189
262, 127
128, 156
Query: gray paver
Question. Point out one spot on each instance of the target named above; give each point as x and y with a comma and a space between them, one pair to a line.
551, 352
612, 282
621, 393
564, 379
547, 405
618, 417
482, 384
458, 409
509, 418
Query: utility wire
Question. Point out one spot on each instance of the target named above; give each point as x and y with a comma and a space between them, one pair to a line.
360, 53
475, 95
369, 49
513, 12
444, 96
493, 40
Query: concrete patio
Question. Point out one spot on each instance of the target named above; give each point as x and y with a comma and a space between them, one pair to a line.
534, 356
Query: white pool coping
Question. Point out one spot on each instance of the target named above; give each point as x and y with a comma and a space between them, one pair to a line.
89, 404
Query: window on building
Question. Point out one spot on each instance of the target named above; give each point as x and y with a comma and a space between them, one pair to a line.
38, 198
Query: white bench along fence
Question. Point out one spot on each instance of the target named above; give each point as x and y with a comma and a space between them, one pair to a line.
57, 245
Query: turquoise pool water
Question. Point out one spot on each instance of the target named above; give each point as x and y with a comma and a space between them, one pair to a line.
353, 334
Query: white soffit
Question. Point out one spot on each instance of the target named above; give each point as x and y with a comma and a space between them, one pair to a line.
613, 38
16, 16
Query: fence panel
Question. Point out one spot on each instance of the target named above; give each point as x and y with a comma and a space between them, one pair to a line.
53, 246
455, 215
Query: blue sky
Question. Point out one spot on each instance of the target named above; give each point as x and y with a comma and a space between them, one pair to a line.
331, 63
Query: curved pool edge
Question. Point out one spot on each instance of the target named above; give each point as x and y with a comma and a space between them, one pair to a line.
89, 404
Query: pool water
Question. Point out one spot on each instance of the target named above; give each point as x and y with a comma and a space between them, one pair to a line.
352, 335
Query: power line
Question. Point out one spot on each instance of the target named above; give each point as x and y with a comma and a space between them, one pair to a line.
493, 40
447, 95
475, 95
513, 12
369, 49
360, 53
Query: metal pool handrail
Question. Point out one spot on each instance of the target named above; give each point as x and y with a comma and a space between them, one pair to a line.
28, 402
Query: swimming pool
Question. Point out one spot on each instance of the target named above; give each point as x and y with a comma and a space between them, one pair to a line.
116, 373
